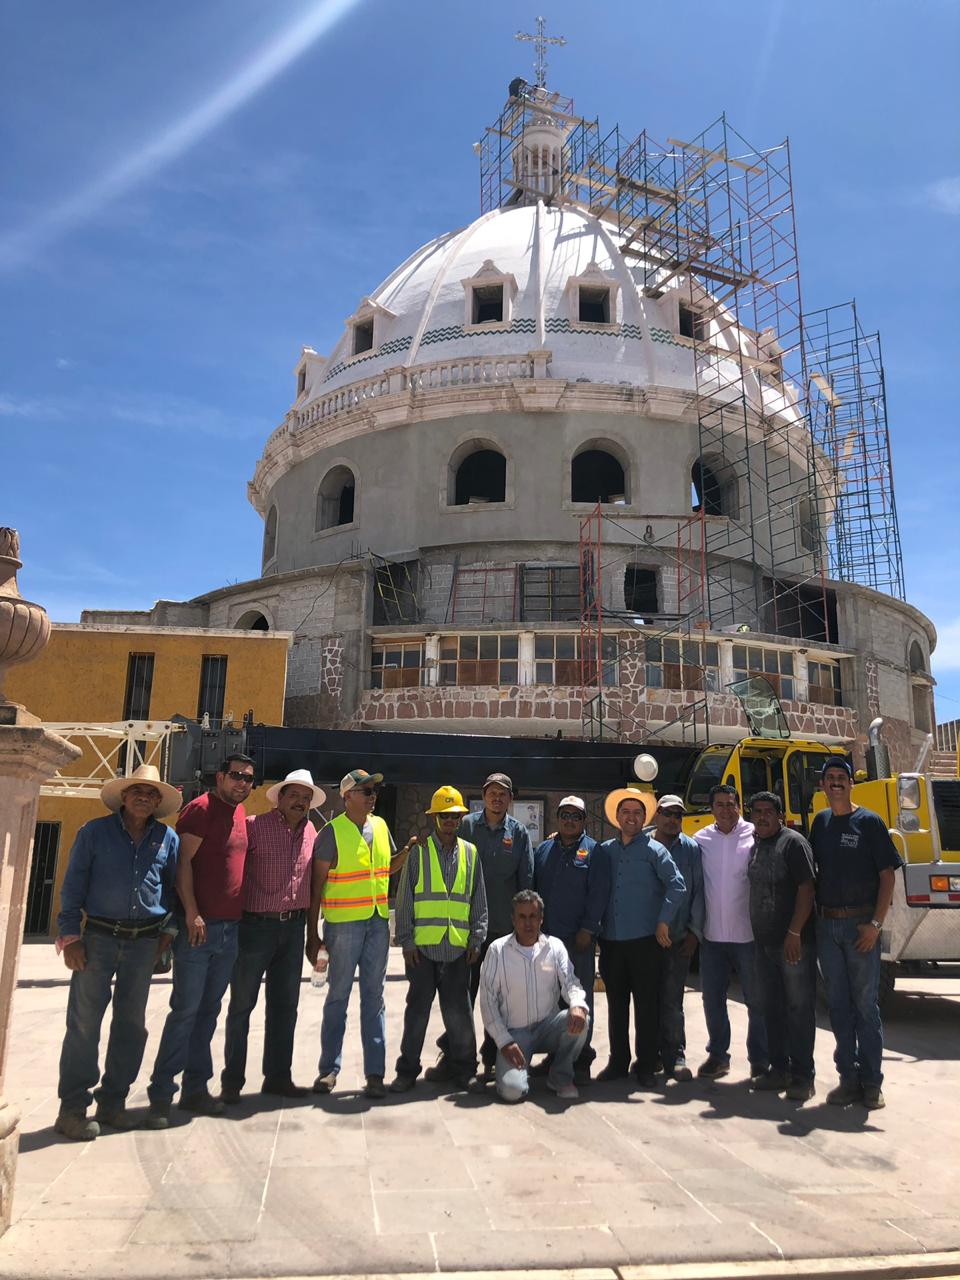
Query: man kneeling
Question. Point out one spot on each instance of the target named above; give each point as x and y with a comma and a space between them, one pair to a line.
524, 975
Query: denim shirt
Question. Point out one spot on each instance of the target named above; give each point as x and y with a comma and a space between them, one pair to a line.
692, 909
507, 861
646, 888
111, 878
574, 883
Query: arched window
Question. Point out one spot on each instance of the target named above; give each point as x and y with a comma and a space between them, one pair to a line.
809, 524
252, 620
270, 536
918, 665
336, 499
919, 687
714, 488
481, 476
597, 476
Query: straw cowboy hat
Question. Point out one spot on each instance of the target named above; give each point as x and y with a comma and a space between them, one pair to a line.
616, 798
148, 775
299, 778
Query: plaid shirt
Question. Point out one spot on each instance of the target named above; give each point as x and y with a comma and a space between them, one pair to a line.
279, 864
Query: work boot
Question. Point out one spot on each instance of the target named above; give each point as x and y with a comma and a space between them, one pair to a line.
283, 1089
845, 1093
873, 1098
771, 1081
611, 1072
75, 1125
374, 1088
201, 1103
679, 1072
402, 1084
440, 1072
713, 1068
325, 1083
800, 1090
115, 1117
158, 1116
229, 1095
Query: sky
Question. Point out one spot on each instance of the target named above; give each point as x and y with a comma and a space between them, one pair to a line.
195, 190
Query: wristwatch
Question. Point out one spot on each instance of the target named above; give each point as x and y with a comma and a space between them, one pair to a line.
876, 924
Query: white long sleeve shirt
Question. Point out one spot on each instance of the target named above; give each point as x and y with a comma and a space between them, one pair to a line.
726, 889
520, 990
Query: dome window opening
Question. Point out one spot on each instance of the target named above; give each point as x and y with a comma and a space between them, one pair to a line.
487, 305
481, 477
691, 324
336, 499
597, 476
363, 336
594, 306
713, 490
270, 536
301, 381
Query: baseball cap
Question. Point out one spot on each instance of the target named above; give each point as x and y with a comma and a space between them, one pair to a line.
572, 802
836, 762
671, 802
358, 778
501, 780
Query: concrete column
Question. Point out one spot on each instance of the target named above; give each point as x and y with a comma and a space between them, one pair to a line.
431, 661
527, 668
801, 677
29, 754
725, 655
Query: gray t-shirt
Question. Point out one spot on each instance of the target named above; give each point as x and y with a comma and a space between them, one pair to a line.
325, 845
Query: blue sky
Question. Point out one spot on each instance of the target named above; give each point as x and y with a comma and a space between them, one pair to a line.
196, 189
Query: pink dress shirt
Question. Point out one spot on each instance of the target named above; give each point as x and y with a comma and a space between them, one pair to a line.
726, 889
279, 864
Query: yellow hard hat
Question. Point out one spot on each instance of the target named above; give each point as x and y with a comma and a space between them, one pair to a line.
447, 800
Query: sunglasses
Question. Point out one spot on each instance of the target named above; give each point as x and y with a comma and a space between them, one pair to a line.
367, 791
237, 776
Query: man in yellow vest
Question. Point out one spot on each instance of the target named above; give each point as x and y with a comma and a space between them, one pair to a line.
351, 880
441, 923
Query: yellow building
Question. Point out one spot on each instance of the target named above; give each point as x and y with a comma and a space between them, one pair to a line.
111, 673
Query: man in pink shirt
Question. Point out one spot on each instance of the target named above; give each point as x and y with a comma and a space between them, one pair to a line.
728, 945
276, 895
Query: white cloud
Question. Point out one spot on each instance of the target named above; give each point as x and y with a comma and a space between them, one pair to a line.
946, 656
943, 196
18, 407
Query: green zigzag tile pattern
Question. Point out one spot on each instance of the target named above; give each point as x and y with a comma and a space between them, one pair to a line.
664, 335
385, 349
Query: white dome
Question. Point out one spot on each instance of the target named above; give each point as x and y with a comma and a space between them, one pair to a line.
543, 256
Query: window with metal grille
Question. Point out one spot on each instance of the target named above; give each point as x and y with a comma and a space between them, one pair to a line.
557, 659
136, 699
550, 593
43, 872
824, 683
476, 660
396, 664
775, 665
213, 686
692, 665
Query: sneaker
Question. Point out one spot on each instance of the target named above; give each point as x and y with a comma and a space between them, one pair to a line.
229, 1096
115, 1118
801, 1090
439, 1073
845, 1093
158, 1116
566, 1092
283, 1089
771, 1081
681, 1073
402, 1084
873, 1098
611, 1072
375, 1088
202, 1103
713, 1068
75, 1125
325, 1083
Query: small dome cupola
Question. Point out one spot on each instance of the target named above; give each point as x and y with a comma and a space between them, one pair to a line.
538, 161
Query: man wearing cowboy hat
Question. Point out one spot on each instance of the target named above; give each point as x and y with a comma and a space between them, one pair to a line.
276, 898
121, 876
646, 890
441, 923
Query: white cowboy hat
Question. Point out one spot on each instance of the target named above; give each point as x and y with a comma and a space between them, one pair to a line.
299, 778
148, 775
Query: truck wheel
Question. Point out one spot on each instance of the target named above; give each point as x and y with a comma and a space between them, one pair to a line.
888, 977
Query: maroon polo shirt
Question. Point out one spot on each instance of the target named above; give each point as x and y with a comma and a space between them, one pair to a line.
218, 863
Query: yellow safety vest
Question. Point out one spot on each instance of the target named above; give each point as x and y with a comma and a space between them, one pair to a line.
359, 883
438, 911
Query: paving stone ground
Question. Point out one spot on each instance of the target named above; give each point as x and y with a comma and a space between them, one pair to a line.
433, 1181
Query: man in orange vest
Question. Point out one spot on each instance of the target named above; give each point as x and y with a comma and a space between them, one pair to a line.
351, 879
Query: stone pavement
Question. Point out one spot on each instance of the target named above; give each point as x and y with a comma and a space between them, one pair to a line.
430, 1181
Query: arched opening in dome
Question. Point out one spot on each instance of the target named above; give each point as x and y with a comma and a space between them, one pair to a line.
252, 620
809, 524
919, 687
336, 499
713, 488
597, 475
481, 476
270, 535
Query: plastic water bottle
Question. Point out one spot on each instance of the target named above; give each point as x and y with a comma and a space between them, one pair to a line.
318, 978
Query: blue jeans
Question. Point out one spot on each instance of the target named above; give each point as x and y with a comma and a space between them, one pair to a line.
585, 967
718, 960
790, 1008
549, 1036
351, 944
201, 975
451, 978
673, 1031
853, 986
274, 948
131, 961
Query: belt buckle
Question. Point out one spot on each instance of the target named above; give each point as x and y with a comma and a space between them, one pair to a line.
116, 928
285, 915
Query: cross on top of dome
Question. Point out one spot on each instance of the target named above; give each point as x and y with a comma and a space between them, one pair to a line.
541, 40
